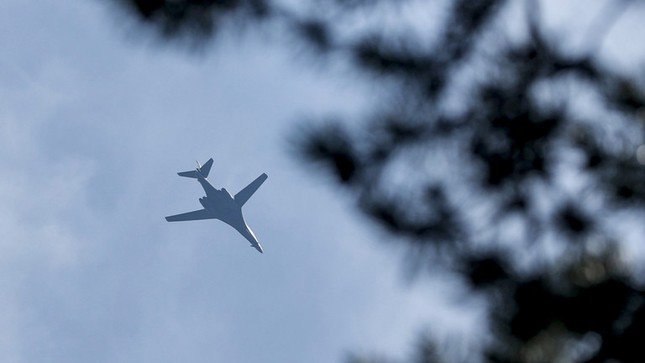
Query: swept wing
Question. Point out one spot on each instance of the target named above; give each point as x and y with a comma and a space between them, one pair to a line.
191, 216
248, 191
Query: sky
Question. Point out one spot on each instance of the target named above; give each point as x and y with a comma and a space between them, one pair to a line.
96, 120
94, 124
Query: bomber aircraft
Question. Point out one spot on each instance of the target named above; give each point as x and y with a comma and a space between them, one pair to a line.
219, 204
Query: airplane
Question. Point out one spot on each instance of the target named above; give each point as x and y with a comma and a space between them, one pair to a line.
219, 204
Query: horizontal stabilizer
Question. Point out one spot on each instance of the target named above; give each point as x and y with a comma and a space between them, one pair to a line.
206, 168
188, 174
203, 170
247, 192
191, 216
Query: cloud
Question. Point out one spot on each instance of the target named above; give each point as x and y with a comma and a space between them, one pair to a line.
92, 132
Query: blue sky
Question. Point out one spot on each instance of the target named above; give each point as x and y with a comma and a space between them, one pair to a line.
94, 123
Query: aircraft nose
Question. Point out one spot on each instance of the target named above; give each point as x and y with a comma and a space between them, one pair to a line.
259, 248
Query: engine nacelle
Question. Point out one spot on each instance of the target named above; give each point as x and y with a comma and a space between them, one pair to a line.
202, 201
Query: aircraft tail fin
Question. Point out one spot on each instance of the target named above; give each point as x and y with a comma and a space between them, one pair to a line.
202, 170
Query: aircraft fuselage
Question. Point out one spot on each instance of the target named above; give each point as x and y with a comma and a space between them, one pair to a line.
221, 204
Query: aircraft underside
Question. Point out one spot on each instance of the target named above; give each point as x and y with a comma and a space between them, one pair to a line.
219, 204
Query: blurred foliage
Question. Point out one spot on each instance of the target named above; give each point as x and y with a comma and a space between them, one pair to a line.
192, 20
511, 161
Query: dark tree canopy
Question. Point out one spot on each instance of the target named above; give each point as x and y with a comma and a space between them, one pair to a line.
194, 20
501, 155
